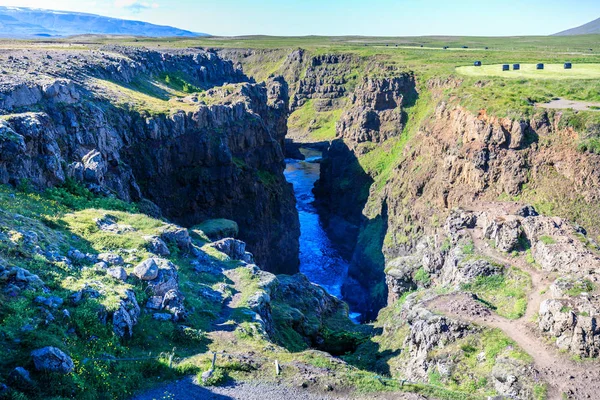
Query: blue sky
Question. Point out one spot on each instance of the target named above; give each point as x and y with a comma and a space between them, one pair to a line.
344, 17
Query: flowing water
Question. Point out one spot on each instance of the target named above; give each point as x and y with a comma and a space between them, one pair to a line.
319, 259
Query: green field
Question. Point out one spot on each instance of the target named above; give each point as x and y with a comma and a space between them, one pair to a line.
529, 71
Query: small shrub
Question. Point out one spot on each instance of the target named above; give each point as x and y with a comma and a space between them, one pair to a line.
468, 249
547, 240
540, 391
218, 377
422, 276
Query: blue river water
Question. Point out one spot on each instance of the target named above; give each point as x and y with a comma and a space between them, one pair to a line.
319, 260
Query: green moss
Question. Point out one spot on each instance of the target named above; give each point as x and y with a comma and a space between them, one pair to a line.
218, 228
218, 377
468, 249
268, 179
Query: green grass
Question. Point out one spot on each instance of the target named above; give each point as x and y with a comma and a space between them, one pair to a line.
468, 249
64, 217
506, 293
422, 276
529, 71
317, 125
592, 145
146, 96
470, 373
547, 240
579, 287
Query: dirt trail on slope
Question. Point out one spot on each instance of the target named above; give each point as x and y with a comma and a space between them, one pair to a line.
223, 326
576, 380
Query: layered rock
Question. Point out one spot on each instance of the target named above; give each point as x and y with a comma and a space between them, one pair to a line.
573, 323
374, 113
224, 159
324, 80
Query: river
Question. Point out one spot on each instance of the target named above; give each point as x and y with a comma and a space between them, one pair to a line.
319, 259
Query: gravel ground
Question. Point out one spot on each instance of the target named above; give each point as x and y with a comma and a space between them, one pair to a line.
186, 389
575, 105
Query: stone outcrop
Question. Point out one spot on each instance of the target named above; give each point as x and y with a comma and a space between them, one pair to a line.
375, 111
573, 323
126, 316
51, 359
225, 159
427, 332
324, 81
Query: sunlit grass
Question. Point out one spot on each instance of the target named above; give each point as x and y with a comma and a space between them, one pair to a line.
529, 71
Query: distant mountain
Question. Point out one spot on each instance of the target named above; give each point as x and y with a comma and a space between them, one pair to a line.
21, 22
587, 29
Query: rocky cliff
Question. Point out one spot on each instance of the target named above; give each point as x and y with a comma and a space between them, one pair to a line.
122, 122
376, 112
447, 158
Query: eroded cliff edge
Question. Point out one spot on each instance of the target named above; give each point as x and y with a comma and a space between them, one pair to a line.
186, 133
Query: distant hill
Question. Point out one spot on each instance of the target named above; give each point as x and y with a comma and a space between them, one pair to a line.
587, 29
21, 22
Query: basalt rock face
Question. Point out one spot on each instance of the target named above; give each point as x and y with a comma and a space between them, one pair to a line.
224, 160
374, 115
375, 110
324, 80
228, 162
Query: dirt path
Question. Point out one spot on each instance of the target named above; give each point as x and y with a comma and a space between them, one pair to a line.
573, 104
221, 323
577, 380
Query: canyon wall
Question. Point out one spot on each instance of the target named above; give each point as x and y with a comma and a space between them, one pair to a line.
223, 159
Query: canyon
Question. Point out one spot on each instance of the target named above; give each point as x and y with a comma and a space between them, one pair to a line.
258, 203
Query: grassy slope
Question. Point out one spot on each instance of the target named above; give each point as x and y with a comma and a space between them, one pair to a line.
320, 125
64, 218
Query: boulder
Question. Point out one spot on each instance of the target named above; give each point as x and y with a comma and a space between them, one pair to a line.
108, 223
157, 246
166, 279
177, 235
52, 359
506, 375
111, 258
162, 316
154, 303
117, 273
20, 378
399, 281
173, 303
428, 331
573, 323
505, 234
126, 316
147, 270
50, 302
235, 249
527, 211
76, 255
94, 167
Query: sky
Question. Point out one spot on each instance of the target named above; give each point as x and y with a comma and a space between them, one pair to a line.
344, 17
